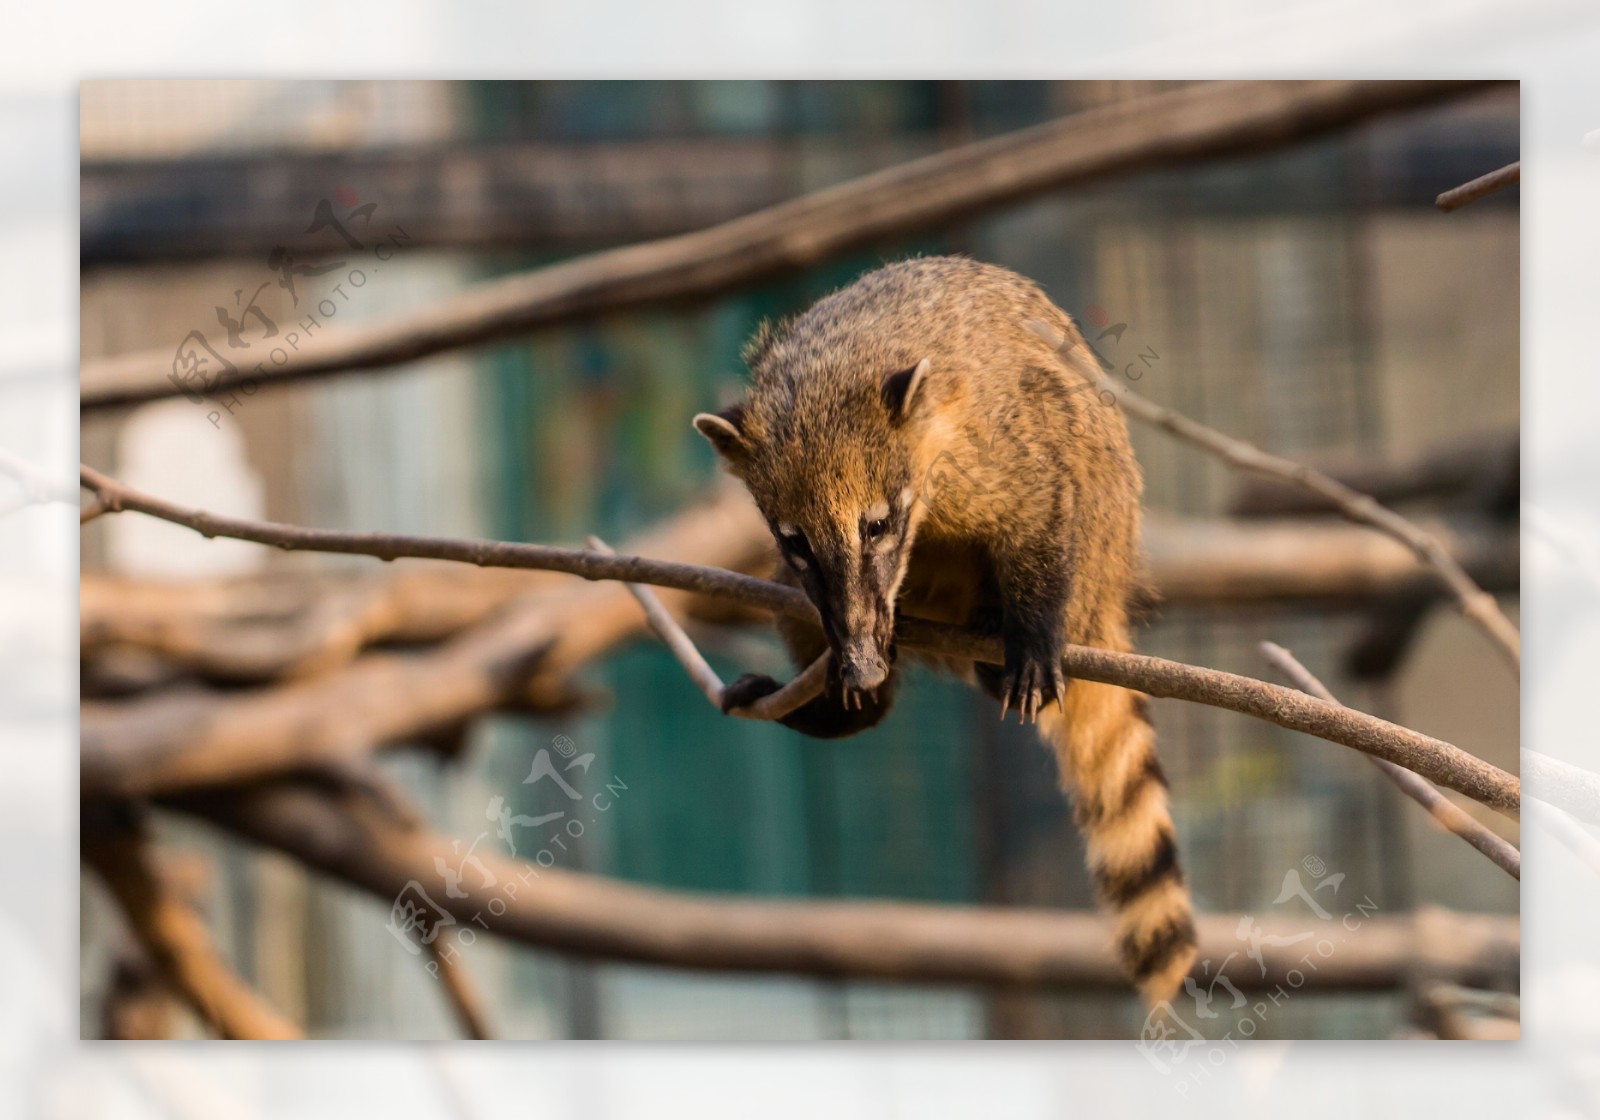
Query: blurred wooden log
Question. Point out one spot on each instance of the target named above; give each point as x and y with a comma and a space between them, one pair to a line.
1203, 121
1481, 471
352, 841
547, 196
552, 196
169, 740
306, 623
138, 1002
1222, 562
1451, 1011
119, 848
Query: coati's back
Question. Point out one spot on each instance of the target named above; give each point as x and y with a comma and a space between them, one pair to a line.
917, 448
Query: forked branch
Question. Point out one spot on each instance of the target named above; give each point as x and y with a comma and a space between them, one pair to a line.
1450, 816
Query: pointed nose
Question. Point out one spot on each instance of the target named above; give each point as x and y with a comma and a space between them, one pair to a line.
863, 668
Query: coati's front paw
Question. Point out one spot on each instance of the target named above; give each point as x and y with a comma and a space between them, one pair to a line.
747, 690
1032, 679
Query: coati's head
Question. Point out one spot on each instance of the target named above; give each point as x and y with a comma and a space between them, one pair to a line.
832, 459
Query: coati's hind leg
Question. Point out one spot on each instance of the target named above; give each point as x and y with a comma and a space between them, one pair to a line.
831, 715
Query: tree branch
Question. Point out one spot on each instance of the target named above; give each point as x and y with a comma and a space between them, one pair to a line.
796, 694
574, 912
462, 993
296, 624
1478, 605
300, 624
168, 741
1203, 121
1450, 816
174, 935
200, 758
1457, 197
1479, 470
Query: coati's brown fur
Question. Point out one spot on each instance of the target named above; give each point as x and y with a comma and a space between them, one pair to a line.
916, 448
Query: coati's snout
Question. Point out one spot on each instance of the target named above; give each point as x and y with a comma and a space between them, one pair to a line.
856, 602
851, 573
863, 669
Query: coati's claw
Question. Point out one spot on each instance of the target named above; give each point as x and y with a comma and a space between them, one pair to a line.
747, 690
1031, 686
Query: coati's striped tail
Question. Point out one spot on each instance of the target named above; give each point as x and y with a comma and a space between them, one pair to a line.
1106, 749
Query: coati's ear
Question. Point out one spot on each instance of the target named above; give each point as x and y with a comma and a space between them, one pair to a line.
899, 390
725, 431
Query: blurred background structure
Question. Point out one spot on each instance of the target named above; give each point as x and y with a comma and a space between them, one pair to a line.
1310, 299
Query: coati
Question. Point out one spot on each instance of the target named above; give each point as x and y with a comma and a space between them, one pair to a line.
917, 449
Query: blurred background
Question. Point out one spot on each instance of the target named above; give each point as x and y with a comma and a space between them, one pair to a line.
1311, 299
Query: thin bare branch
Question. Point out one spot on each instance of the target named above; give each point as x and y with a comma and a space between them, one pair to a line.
1457, 197
1202, 121
800, 691
112, 769
463, 994
307, 622
1477, 604
1450, 816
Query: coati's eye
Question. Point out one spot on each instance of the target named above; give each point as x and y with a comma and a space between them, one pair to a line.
875, 523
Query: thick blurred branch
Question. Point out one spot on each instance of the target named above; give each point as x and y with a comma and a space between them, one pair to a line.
1202, 121
551, 908
1313, 563
119, 848
1450, 816
1482, 472
170, 741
